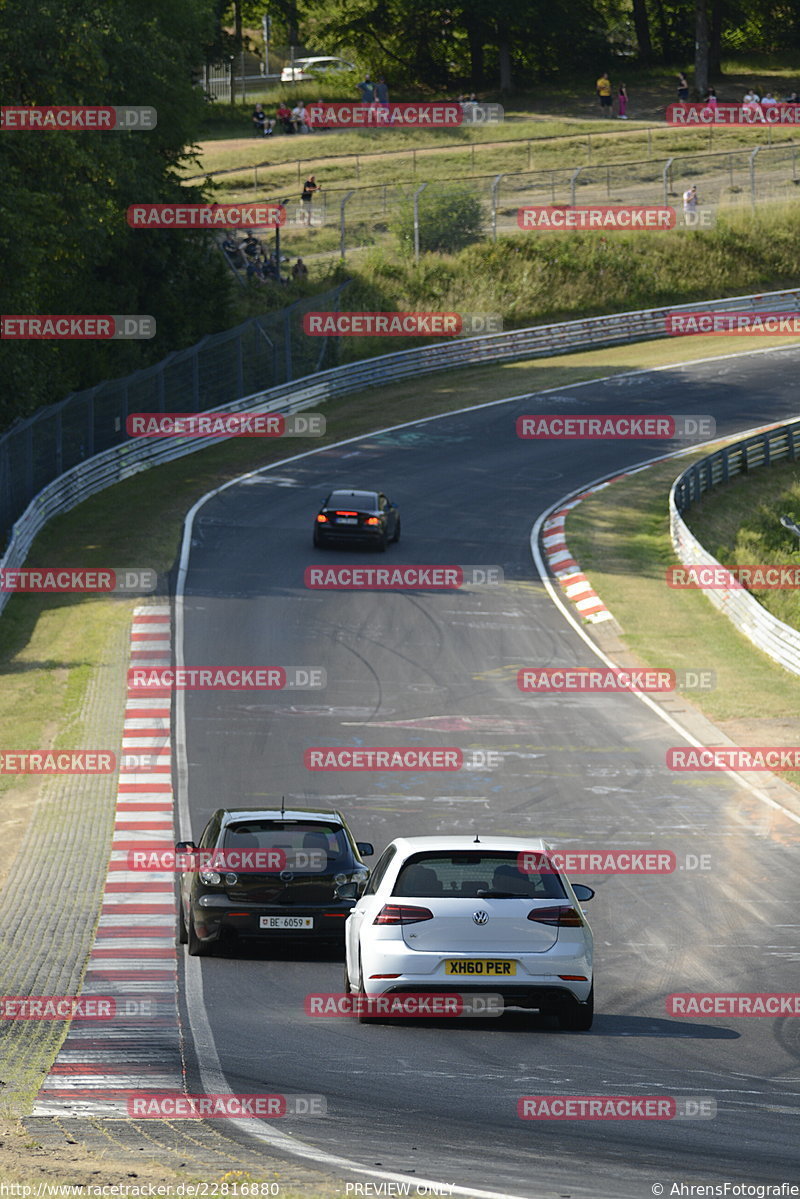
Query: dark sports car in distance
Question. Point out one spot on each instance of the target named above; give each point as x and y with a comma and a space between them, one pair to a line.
296, 902
367, 517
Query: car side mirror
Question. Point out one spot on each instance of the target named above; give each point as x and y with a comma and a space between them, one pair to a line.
582, 892
365, 848
346, 891
185, 847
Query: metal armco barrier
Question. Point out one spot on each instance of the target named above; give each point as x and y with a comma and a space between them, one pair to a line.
120, 462
780, 641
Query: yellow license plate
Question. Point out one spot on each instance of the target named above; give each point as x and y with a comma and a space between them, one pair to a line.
480, 967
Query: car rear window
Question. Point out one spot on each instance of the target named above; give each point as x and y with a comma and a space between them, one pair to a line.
268, 834
352, 499
463, 875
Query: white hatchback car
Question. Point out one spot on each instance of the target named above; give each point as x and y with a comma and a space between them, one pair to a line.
457, 914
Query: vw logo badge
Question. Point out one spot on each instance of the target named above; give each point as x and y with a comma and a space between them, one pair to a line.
286, 876
480, 917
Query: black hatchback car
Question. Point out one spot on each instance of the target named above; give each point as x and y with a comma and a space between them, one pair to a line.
367, 517
229, 894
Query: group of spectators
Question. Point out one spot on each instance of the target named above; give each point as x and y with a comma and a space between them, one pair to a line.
751, 98
250, 256
606, 94
286, 120
298, 119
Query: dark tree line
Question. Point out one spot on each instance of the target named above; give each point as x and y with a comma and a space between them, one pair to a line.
502, 45
65, 246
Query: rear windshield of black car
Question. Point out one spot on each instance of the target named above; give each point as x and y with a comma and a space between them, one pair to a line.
463, 875
357, 501
268, 834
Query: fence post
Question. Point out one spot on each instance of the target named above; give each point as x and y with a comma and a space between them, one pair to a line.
495, 186
572, 182
666, 175
753, 176
530, 149
239, 365
345, 198
417, 195
287, 343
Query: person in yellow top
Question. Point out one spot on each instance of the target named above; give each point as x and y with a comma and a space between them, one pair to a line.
603, 87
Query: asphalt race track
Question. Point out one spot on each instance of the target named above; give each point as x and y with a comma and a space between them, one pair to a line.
438, 1100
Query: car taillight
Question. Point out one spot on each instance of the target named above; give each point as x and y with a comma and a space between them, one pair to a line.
563, 917
372, 520
322, 519
402, 913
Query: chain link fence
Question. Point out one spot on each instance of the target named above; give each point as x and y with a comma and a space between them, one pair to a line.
358, 217
262, 353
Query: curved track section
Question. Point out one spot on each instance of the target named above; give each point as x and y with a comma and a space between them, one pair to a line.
422, 1100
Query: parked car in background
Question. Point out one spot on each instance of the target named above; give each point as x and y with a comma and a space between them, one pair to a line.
305, 69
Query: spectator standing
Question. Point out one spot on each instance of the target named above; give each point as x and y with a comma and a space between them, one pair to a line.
622, 103
768, 98
683, 88
309, 188
689, 202
382, 92
792, 98
711, 98
299, 270
603, 87
367, 90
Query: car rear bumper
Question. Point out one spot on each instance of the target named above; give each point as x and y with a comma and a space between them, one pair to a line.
540, 997
367, 536
212, 920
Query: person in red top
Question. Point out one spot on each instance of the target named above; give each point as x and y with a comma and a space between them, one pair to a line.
284, 115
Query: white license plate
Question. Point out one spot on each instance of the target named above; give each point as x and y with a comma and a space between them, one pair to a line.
299, 923
347, 520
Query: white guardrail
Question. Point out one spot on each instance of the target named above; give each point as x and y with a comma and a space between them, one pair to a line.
121, 462
780, 641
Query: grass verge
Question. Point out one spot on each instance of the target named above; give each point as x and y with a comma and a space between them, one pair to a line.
739, 523
621, 539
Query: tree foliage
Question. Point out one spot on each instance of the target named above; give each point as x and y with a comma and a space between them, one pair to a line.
64, 240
